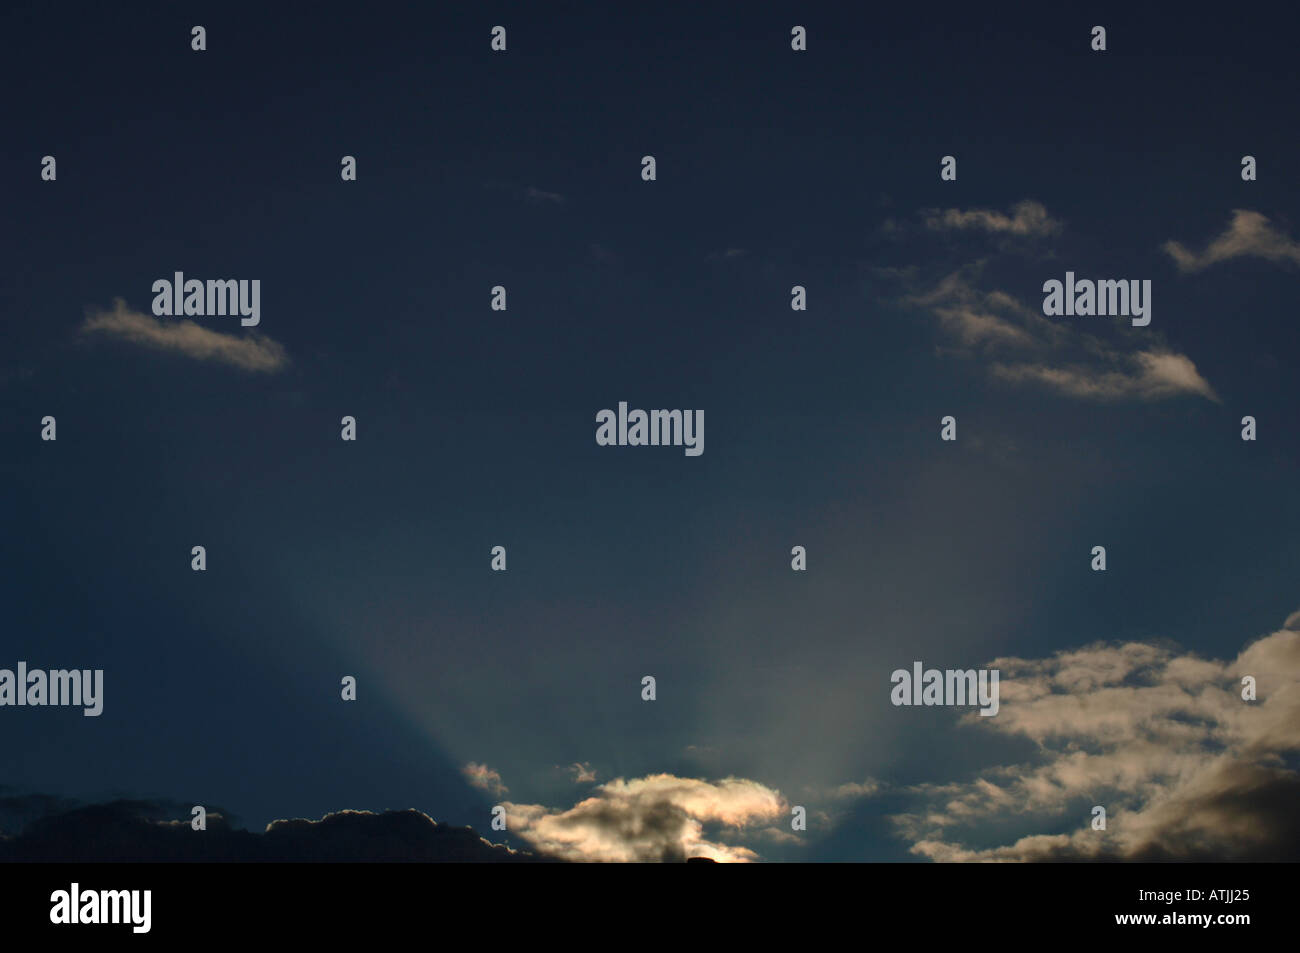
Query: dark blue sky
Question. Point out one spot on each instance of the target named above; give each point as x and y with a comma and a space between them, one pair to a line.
476, 427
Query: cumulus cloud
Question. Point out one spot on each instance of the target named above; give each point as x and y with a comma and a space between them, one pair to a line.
583, 772
656, 818
252, 352
1249, 235
1027, 218
1025, 347
142, 832
1186, 769
484, 778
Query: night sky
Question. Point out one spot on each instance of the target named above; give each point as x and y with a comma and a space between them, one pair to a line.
476, 428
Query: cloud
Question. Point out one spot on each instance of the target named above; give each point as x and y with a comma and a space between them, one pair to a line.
656, 818
391, 836
1146, 375
582, 772
541, 196
1186, 769
603, 254
484, 778
979, 321
529, 193
254, 352
1023, 346
727, 254
16, 373
973, 327
134, 831
17, 810
855, 790
1028, 218
1249, 234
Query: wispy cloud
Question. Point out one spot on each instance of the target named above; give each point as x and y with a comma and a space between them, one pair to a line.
1023, 346
1144, 375
533, 194
1161, 738
855, 790
1027, 218
252, 352
1249, 235
527, 193
603, 254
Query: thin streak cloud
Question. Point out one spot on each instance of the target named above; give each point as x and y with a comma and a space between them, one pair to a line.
254, 352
